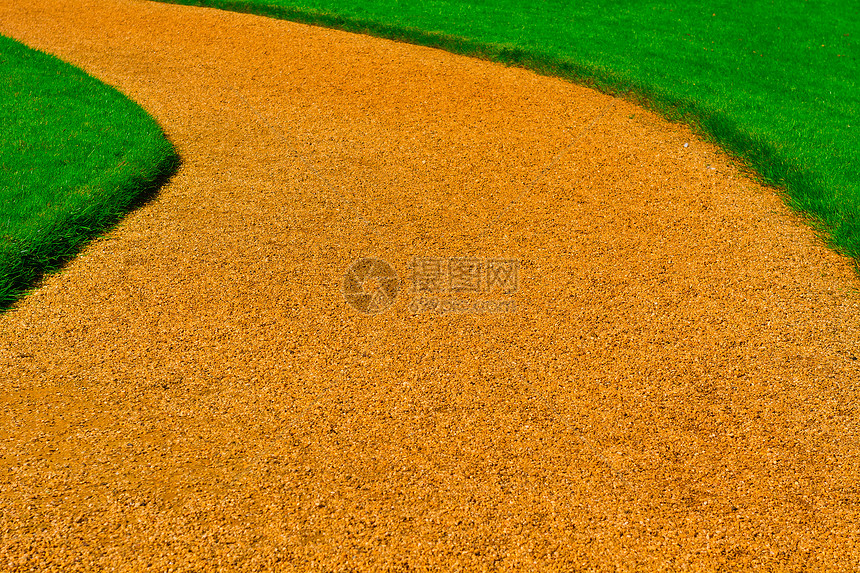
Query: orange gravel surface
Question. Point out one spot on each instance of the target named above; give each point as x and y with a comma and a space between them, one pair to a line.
605, 348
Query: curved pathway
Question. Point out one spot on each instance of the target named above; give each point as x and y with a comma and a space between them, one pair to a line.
673, 382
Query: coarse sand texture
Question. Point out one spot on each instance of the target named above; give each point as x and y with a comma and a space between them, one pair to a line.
593, 342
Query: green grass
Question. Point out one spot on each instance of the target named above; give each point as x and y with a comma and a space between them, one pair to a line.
75, 155
775, 83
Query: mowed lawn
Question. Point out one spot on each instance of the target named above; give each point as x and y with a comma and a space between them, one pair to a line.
775, 83
75, 155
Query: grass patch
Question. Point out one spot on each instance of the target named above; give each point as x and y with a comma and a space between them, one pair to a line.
75, 156
775, 84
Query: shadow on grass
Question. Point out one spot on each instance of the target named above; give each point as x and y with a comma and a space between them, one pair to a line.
69, 236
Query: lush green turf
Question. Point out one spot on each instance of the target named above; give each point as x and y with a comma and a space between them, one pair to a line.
75, 155
776, 83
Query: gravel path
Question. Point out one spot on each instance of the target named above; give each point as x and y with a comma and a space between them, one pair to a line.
669, 382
